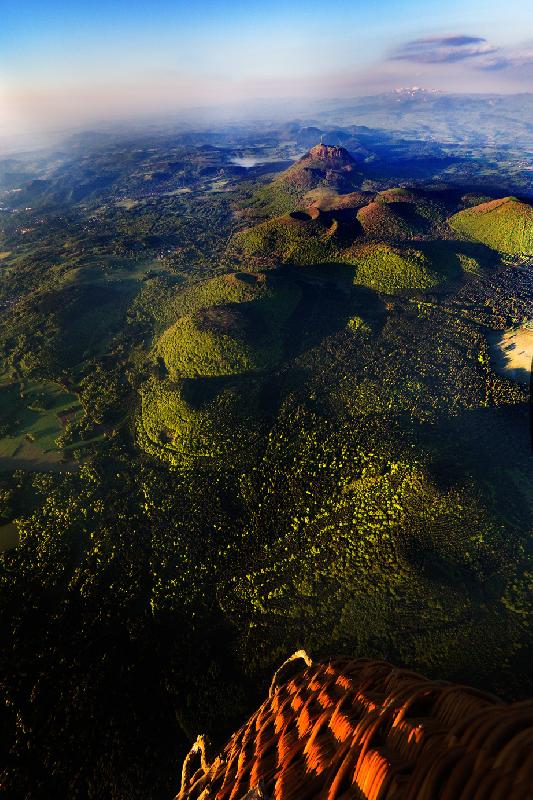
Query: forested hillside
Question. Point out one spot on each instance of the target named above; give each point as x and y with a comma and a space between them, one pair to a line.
244, 411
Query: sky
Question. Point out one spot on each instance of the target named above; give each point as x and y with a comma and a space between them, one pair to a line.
68, 63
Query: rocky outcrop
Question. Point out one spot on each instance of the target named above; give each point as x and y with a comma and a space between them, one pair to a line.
329, 152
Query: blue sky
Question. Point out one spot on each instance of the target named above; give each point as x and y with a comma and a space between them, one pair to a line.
60, 60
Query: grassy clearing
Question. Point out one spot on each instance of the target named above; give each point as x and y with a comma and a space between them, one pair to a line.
127, 203
218, 185
32, 417
103, 271
9, 536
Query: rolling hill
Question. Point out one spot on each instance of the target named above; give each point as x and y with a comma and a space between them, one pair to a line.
301, 237
229, 338
391, 269
323, 166
505, 225
233, 327
372, 232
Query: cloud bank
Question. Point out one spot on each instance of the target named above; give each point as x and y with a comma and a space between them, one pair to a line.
455, 62
480, 53
520, 60
444, 49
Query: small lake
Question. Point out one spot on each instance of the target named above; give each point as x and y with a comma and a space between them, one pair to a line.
245, 161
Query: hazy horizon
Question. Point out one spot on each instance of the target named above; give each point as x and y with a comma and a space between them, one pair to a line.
64, 65
209, 117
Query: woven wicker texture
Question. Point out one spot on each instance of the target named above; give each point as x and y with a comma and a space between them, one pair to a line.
362, 730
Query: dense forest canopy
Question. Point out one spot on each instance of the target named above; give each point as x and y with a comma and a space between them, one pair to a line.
248, 409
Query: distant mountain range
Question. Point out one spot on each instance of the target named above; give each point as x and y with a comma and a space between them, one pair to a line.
474, 118
425, 113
